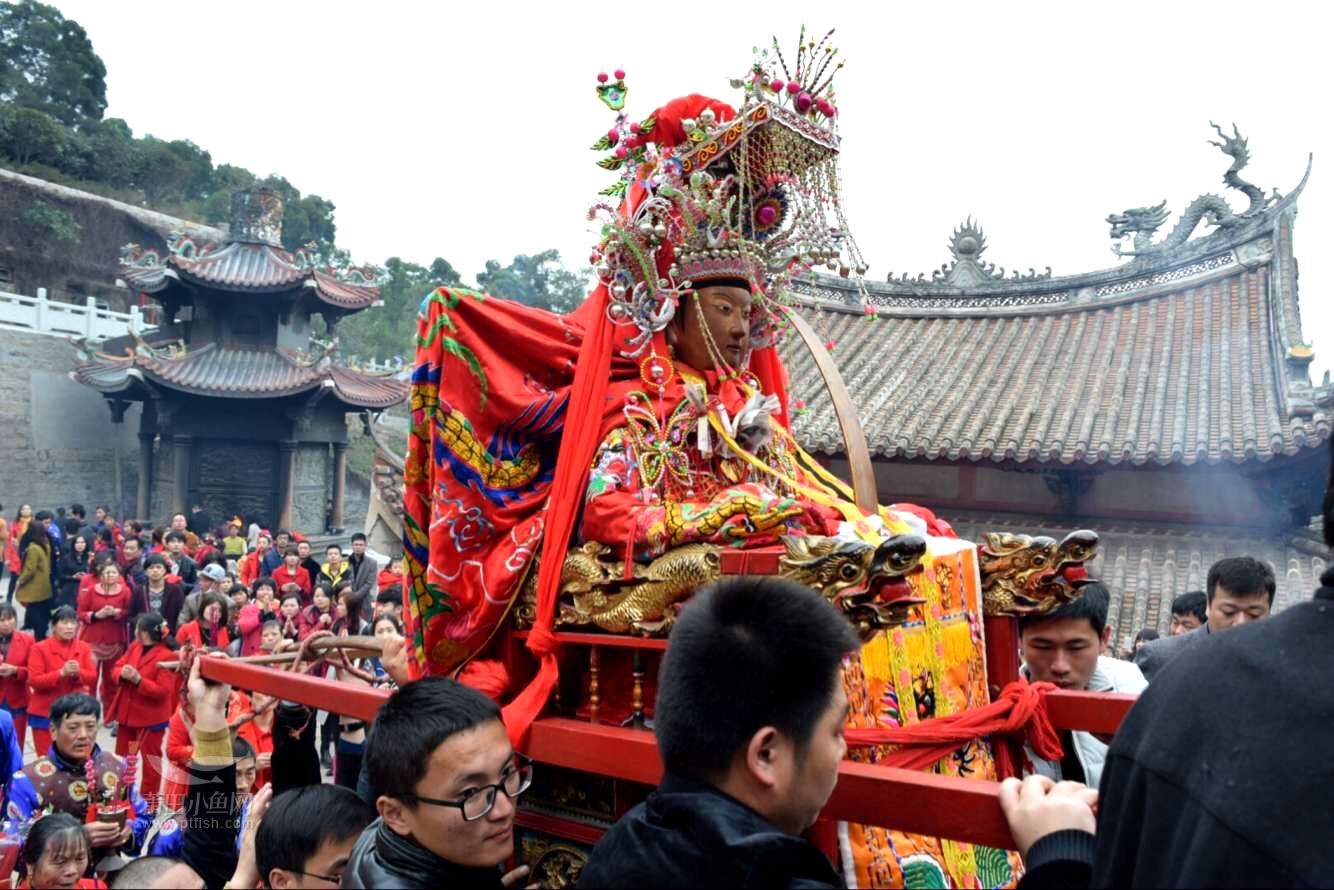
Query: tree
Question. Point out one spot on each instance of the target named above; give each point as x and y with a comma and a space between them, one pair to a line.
47, 62
53, 224
109, 153
28, 136
173, 171
390, 330
540, 280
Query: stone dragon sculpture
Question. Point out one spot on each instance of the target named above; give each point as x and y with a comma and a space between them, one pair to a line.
866, 582
1143, 222
1032, 576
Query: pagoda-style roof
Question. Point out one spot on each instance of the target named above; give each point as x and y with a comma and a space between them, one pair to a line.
245, 267
1192, 352
235, 372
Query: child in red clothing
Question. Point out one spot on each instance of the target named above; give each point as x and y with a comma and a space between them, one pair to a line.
289, 615
209, 630
145, 698
58, 665
15, 646
103, 611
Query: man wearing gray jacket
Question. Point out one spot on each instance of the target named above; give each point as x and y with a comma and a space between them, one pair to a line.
1062, 647
1239, 590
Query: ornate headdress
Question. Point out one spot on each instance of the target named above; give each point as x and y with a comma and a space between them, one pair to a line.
710, 193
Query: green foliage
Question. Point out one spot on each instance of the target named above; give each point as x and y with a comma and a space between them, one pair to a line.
389, 331
31, 137
53, 222
539, 280
47, 62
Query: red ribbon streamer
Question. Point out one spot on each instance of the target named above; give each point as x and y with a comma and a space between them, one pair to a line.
1020, 711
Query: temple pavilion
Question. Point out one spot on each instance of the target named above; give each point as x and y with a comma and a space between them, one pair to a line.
242, 411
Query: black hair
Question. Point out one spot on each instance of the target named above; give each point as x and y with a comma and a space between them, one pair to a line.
282, 531
63, 613
387, 616
241, 749
1146, 635
224, 605
291, 550
77, 510
358, 537
294, 595
43, 515
74, 704
152, 623
59, 831
338, 547
71, 526
1092, 603
1241, 575
213, 557
745, 654
174, 535
104, 534
415, 720
7, 610
75, 538
301, 819
144, 871
263, 582
391, 596
155, 559
35, 533
1193, 602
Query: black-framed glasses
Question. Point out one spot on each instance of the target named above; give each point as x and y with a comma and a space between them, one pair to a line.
328, 879
478, 803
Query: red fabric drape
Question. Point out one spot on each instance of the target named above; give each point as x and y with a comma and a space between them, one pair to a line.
1019, 711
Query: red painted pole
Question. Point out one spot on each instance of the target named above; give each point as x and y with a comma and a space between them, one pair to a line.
1002, 640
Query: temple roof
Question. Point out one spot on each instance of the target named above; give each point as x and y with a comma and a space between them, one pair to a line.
236, 372
245, 267
1191, 352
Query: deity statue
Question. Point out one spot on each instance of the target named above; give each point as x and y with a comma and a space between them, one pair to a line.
592, 470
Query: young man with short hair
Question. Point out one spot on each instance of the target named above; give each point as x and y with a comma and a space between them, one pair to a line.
390, 602
446, 780
749, 721
362, 571
274, 557
1189, 611
308, 562
307, 836
1062, 647
182, 566
334, 569
1240, 590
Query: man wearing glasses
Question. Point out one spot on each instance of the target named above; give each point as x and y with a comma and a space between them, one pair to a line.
446, 779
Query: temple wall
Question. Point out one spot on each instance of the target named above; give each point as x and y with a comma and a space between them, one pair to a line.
57, 442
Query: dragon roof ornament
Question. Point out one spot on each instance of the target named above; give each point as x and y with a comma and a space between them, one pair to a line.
1141, 223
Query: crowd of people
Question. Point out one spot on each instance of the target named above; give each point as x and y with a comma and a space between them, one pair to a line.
1197, 788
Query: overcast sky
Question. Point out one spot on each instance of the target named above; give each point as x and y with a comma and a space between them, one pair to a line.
462, 130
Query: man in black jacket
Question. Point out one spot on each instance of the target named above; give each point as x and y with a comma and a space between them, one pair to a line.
749, 720
445, 780
1220, 776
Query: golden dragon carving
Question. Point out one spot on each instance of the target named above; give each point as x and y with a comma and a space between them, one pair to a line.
1032, 576
866, 582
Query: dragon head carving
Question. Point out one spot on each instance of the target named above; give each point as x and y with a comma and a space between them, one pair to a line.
1138, 221
868, 583
1032, 576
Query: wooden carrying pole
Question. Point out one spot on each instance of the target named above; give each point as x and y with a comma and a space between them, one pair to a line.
938, 806
854, 439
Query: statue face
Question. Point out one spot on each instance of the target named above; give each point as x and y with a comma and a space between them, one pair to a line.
718, 310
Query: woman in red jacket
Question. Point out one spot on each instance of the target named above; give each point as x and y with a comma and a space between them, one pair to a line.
146, 696
15, 646
58, 665
209, 630
103, 611
320, 615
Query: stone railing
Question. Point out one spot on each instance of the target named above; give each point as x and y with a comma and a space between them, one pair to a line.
45, 316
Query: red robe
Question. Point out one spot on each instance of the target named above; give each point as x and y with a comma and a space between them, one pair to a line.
44, 664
